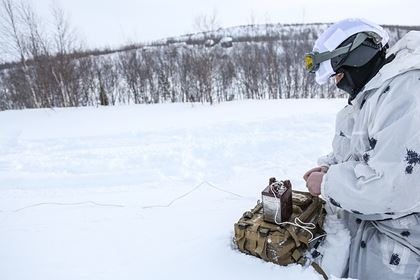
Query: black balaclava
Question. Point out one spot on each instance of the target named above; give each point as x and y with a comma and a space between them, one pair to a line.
355, 78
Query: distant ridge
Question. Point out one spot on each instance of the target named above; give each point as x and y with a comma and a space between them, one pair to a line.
243, 62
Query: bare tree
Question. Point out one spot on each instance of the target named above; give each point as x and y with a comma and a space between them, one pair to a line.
206, 22
109, 80
64, 36
13, 19
64, 43
46, 66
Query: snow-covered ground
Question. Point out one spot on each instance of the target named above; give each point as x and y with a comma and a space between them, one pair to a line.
148, 191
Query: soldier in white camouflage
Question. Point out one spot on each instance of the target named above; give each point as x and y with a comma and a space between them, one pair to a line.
372, 176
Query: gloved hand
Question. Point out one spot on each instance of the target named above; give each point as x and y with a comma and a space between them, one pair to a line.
323, 169
314, 183
313, 179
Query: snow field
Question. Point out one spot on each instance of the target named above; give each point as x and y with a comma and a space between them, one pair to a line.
148, 191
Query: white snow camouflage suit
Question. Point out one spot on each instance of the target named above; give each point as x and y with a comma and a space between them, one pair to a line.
374, 169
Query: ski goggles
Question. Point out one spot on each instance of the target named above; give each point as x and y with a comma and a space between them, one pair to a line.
313, 59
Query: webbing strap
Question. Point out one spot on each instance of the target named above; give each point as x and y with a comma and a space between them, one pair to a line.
303, 238
292, 233
260, 250
252, 245
319, 270
310, 210
296, 255
252, 237
240, 238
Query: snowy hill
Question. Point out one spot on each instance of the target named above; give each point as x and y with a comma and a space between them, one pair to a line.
270, 32
148, 191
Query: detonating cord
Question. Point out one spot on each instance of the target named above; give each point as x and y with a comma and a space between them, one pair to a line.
297, 223
213, 186
67, 204
318, 237
190, 192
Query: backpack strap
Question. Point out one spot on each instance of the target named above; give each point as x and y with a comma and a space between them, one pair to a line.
292, 231
240, 235
313, 207
261, 242
318, 269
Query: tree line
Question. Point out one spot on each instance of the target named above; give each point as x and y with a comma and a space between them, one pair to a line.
54, 71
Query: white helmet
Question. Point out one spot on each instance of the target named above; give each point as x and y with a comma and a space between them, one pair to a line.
337, 34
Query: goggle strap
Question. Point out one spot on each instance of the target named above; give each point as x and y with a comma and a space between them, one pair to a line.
321, 57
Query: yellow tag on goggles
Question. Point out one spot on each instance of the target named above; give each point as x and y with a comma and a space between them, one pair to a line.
312, 60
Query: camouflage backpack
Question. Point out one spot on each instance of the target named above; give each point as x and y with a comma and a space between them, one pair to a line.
286, 243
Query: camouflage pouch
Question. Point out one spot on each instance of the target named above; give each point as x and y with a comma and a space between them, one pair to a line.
281, 244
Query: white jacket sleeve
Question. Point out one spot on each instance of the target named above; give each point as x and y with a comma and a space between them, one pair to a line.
327, 160
386, 178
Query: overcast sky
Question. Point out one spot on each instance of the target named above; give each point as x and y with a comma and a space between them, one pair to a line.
114, 23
